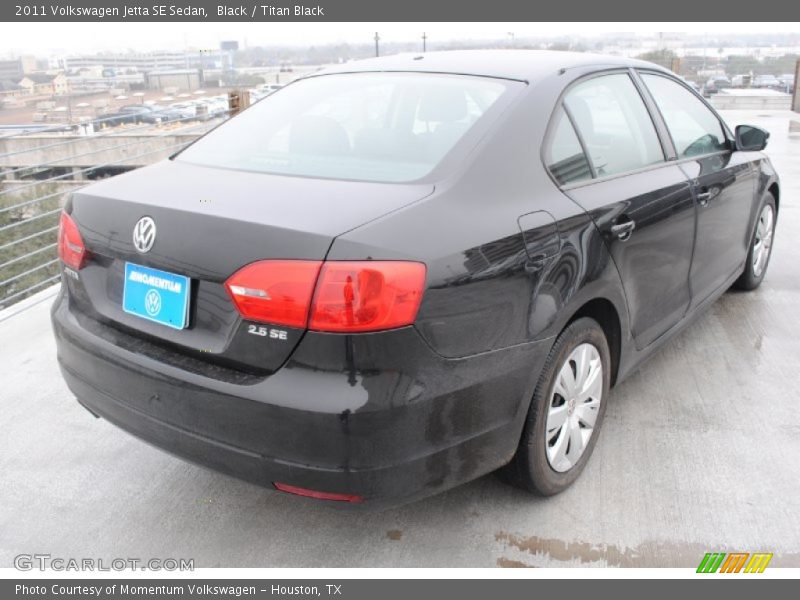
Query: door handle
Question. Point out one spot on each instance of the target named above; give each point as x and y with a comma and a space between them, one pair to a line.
623, 230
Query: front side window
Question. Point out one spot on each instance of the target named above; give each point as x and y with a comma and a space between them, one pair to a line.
564, 155
614, 124
695, 130
388, 127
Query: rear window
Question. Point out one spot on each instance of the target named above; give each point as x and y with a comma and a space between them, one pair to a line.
389, 127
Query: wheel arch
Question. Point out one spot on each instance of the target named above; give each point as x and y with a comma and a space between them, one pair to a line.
607, 316
774, 189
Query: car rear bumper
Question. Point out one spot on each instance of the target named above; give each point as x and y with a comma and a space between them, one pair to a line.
379, 416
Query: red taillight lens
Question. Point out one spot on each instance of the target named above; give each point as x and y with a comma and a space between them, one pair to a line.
291, 489
275, 291
350, 296
358, 296
71, 249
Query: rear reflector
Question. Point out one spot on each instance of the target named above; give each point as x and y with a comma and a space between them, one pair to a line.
298, 491
275, 291
348, 296
361, 296
71, 249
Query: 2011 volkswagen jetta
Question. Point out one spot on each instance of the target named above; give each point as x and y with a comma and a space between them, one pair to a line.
397, 275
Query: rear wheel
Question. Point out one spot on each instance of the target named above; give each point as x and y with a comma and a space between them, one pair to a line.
566, 411
760, 247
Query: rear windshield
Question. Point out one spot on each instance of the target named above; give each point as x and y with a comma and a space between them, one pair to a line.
389, 127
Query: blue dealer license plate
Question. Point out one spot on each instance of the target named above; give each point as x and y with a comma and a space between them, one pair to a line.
156, 295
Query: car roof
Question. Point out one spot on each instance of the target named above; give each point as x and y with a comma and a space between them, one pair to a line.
521, 65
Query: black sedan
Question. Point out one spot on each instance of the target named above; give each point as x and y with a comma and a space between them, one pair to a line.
398, 275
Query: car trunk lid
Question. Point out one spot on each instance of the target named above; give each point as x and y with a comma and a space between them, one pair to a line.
209, 223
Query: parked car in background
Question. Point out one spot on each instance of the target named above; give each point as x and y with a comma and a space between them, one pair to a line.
256, 94
769, 82
400, 274
213, 107
186, 110
741, 81
125, 115
264, 90
136, 114
161, 114
715, 84
787, 82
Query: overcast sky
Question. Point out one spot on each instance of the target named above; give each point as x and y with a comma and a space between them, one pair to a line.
58, 38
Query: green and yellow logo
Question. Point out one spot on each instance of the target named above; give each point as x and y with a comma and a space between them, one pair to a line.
734, 562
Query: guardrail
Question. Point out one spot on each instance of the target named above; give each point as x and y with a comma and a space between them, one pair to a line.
32, 195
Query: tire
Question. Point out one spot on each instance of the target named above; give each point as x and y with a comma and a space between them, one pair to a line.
755, 270
536, 466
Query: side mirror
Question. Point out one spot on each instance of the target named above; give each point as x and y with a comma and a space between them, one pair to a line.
750, 138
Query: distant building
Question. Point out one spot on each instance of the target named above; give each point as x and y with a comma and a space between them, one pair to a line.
11, 70
45, 84
141, 61
94, 71
151, 61
183, 79
30, 64
9, 89
87, 80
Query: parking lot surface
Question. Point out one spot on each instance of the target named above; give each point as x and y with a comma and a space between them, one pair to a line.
700, 452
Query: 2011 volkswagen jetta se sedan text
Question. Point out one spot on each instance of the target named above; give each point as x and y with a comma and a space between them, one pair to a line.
397, 275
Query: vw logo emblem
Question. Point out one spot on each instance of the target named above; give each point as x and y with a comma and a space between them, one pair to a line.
144, 234
152, 303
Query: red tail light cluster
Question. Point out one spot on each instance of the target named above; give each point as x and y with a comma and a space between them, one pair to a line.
71, 249
367, 295
275, 291
335, 296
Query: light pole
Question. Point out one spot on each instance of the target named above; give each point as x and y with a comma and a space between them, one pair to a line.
424, 42
377, 39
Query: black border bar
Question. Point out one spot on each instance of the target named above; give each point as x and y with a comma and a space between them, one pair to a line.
700, 586
278, 11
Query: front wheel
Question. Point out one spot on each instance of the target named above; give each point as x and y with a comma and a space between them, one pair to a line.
566, 411
760, 249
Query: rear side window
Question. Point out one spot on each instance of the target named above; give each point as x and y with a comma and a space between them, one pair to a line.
695, 130
563, 154
388, 127
614, 124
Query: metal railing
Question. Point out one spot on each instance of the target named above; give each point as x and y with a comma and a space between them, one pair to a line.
30, 206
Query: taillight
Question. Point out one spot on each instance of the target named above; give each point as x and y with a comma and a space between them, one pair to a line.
348, 296
275, 291
71, 249
358, 296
